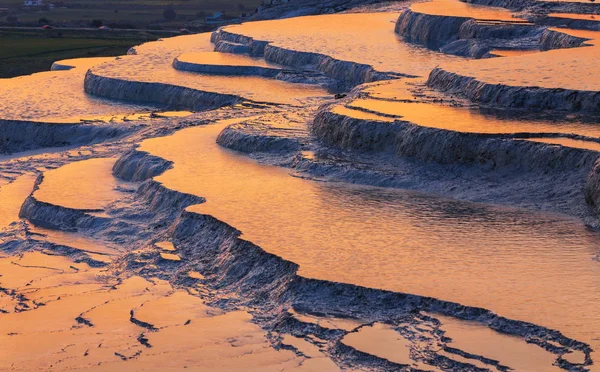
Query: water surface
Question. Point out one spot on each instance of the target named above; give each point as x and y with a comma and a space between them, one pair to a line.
366, 38
530, 266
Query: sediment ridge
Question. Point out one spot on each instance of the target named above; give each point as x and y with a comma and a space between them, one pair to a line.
350, 73
406, 139
176, 97
17, 136
270, 285
516, 97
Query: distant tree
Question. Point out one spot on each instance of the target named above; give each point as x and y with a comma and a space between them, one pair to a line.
169, 14
44, 21
241, 7
96, 23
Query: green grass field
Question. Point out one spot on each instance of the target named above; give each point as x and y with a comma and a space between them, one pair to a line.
26, 55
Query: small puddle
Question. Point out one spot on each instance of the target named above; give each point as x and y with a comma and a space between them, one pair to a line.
169, 256
166, 246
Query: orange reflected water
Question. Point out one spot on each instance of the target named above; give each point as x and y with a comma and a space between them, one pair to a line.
573, 68
153, 63
530, 266
223, 59
12, 196
458, 8
367, 38
567, 142
70, 185
54, 96
477, 339
512, 52
470, 120
587, 17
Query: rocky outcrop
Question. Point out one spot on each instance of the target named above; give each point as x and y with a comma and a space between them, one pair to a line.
174, 96
506, 96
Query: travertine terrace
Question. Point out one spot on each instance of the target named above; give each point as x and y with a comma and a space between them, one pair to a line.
358, 186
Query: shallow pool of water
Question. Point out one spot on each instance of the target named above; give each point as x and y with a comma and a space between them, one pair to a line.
224, 59
367, 38
568, 142
530, 266
458, 8
472, 120
153, 63
477, 339
572, 68
56, 96
69, 186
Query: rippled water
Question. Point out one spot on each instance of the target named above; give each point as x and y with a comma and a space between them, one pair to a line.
529, 266
56, 96
367, 38
153, 63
